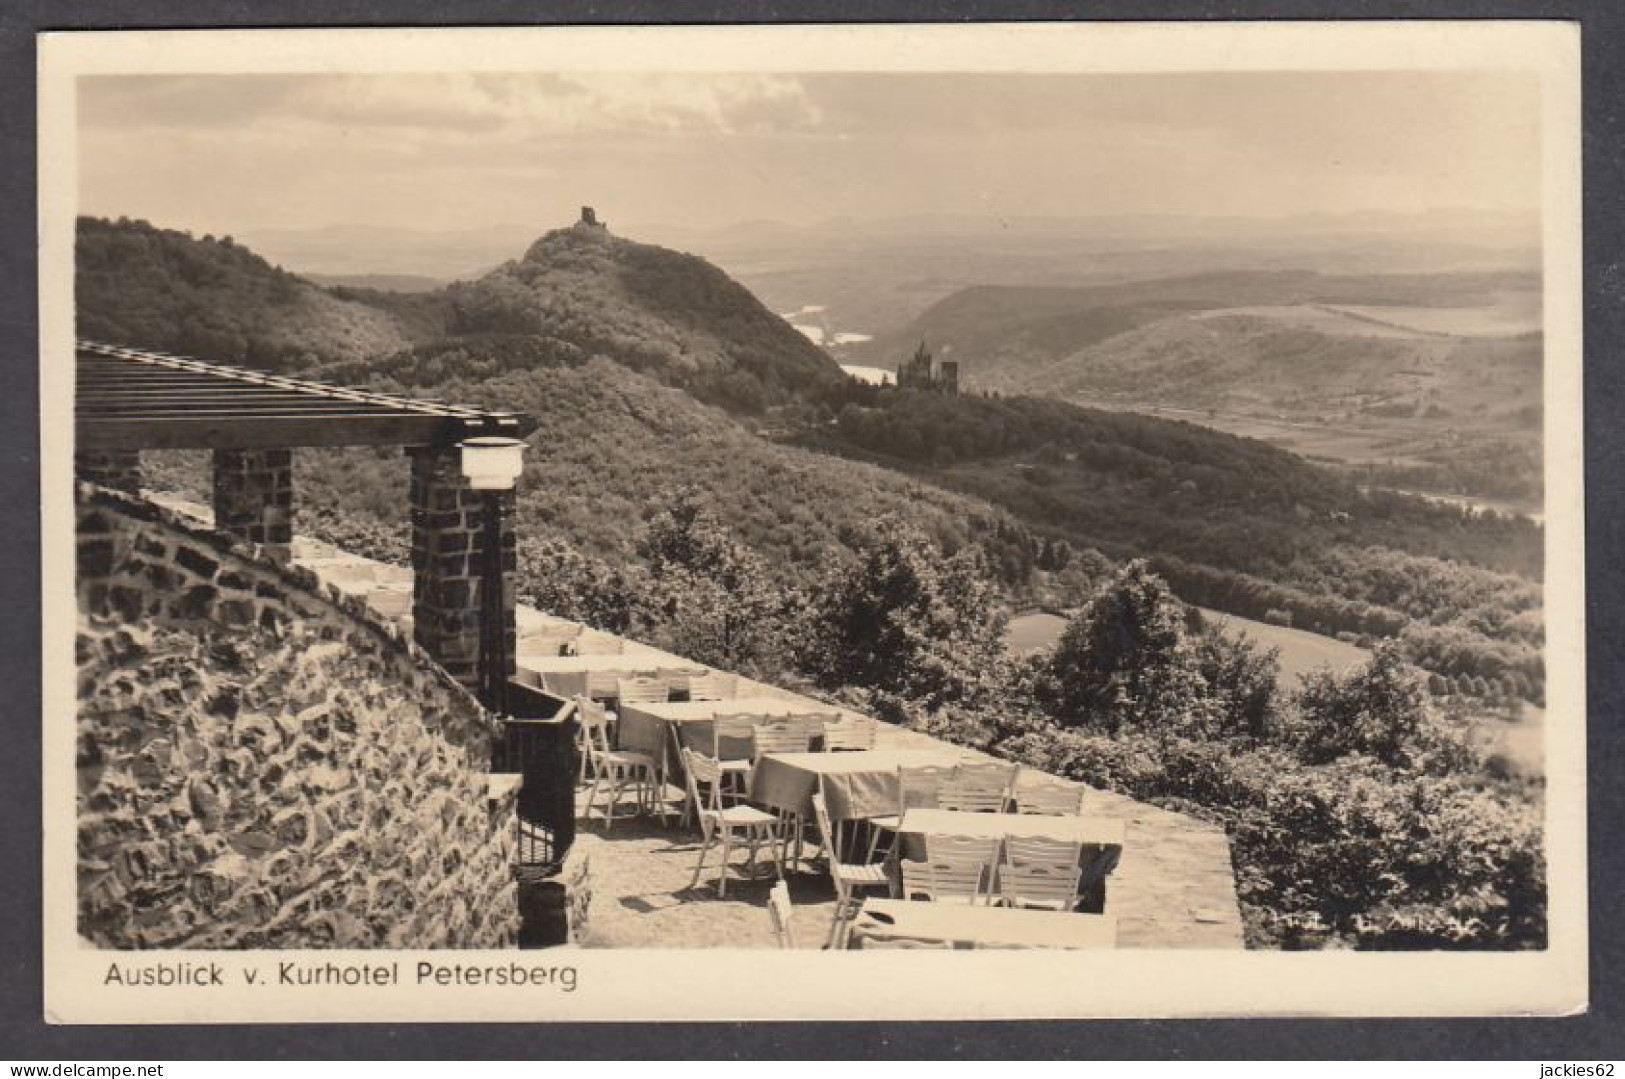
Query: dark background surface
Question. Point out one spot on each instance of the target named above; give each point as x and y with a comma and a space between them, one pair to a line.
25, 1036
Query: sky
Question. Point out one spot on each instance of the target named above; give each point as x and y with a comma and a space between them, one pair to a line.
246, 153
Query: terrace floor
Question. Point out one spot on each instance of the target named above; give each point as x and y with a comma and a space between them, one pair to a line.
1174, 886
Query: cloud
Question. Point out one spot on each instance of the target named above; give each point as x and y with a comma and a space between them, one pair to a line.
471, 104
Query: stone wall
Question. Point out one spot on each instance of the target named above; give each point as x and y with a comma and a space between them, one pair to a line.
263, 764
118, 469
253, 497
448, 561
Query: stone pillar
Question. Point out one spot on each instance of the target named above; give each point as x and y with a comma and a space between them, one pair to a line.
118, 469
448, 562
253, 498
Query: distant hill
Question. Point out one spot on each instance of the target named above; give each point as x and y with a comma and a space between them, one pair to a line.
578, 293
1415, 379
158, 288
1000, 334
623, 351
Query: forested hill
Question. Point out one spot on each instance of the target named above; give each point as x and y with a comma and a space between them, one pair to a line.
148, 287
619, 347
583, 291
578, 293
1012, 337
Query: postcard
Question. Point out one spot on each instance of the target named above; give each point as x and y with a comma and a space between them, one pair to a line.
747, 522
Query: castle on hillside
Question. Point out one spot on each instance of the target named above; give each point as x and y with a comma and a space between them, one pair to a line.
589, 220
921, 372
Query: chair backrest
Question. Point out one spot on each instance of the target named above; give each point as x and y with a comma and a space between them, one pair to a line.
641, 690
816, 722
786, 735
918, 784
733, 735
714, 686
698, 769
779, 911
959, 867
977, 788
990, 772
594, 724
601, 684
850, 733
1037, 872
937, 880
1050, 800
675, 679
916, 880
974, 794
826, 831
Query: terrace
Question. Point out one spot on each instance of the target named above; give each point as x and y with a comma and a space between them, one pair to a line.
1172, 888
1151, 878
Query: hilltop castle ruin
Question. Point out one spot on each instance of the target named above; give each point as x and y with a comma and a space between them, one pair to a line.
922, 372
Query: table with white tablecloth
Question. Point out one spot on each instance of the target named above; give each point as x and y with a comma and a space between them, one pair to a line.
658, 729
980, 926
856, 786
570, 676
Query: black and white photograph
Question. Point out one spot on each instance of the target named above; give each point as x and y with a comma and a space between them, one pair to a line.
540, 506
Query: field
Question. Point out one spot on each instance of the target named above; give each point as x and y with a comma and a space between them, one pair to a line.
1301, 651
1029, 633
1514, 312
1519, 738
1310, 317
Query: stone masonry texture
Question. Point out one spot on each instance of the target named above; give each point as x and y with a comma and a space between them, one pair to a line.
118, 469
263, 765
253, 497
448, 560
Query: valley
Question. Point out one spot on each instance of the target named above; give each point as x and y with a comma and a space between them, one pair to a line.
708, 477
653, 371
1422, 382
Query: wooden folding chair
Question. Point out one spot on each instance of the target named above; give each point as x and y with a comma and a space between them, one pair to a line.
1050, 800
956, 869
1039, 873
720, 824
849, 733
848, 878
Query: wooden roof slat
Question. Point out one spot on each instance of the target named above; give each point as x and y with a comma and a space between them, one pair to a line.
184, 432
135, 399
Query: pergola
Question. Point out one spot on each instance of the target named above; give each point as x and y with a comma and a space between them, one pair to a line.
131, 399
463, 547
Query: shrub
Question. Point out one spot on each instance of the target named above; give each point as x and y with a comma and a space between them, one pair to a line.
1377, 710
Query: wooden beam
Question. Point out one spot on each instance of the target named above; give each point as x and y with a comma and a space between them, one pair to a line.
149, 398
171, 432
135, 399
241, 408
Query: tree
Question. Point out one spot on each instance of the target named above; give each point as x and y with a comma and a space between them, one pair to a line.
907, 620
713, 598
1378, 710
1241, 678
562, 580
1126, 660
